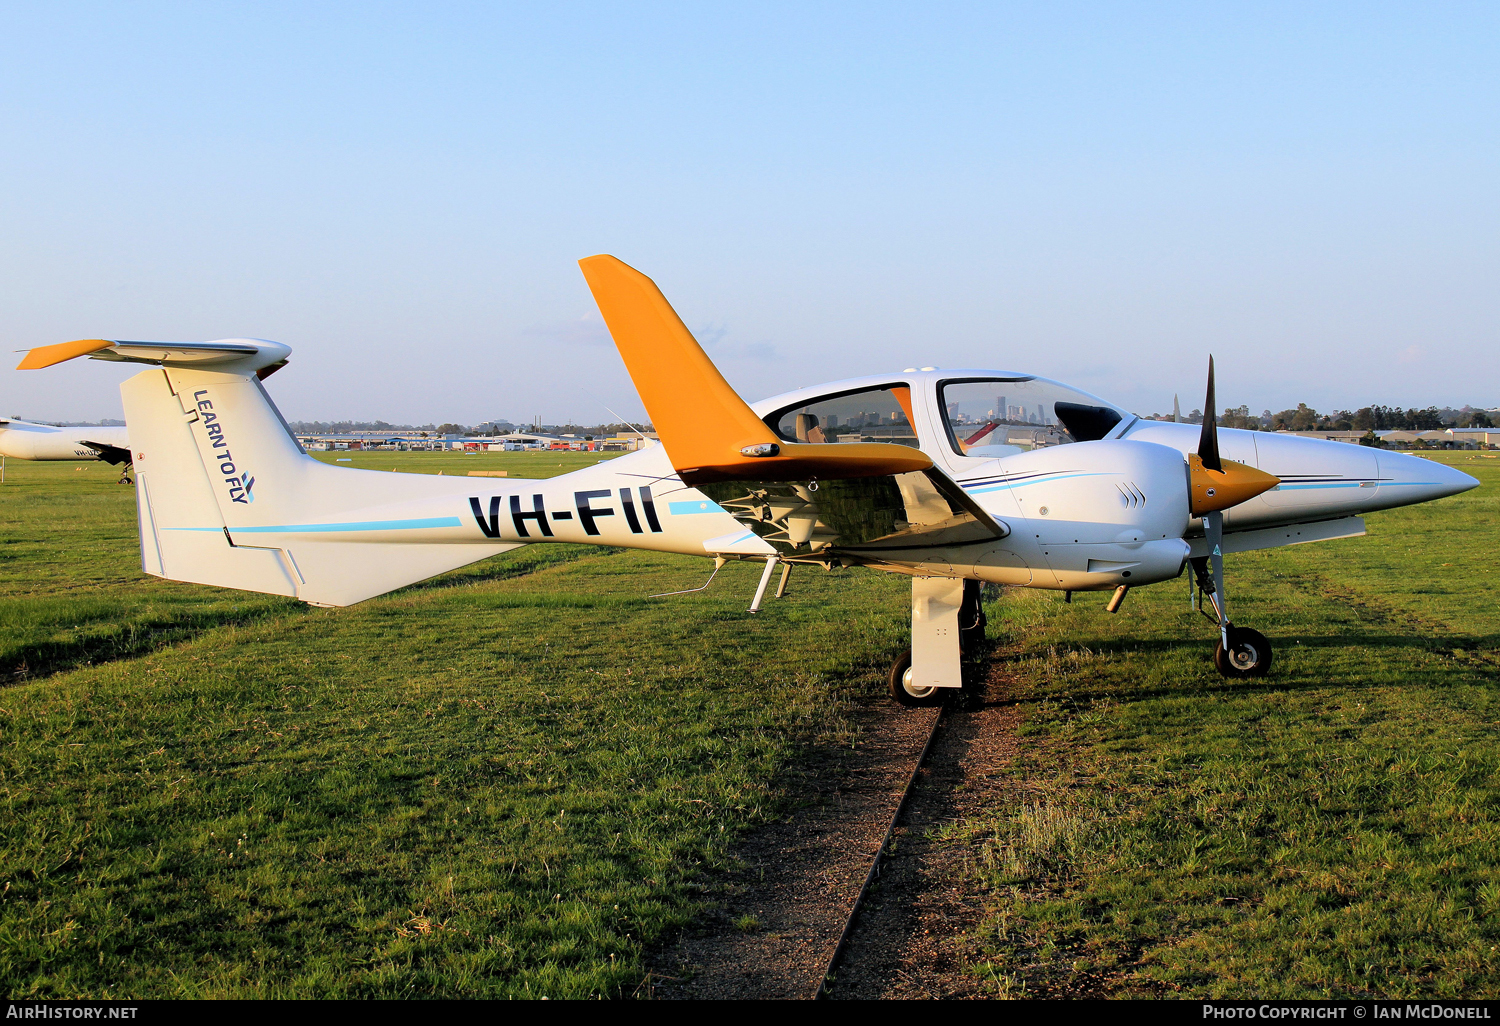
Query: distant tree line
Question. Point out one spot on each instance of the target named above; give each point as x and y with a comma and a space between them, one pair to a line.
339, 427
1366, 418
487, 428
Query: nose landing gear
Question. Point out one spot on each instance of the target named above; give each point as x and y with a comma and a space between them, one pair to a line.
1248, 654
1241, 652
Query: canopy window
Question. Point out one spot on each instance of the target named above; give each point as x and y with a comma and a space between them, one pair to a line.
870, 415
991, 417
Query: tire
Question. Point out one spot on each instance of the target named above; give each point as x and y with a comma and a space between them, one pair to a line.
898, 682
1249, 654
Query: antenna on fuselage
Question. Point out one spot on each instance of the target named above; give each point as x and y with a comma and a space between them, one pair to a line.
617, 417
1176, 411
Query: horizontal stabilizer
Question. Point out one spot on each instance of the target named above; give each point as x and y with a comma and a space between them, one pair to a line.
238, 355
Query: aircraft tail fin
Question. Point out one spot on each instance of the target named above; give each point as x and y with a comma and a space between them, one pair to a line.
227, 496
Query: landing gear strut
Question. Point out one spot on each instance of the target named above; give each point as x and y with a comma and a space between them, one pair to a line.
971, 618
948, 621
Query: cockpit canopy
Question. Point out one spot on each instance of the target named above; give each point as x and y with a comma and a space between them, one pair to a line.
982, 416
880, 414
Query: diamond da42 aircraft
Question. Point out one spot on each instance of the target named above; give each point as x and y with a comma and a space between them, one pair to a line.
952, 477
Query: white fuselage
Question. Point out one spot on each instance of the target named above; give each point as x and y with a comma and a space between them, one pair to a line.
227, 497
22, 440
1082, 516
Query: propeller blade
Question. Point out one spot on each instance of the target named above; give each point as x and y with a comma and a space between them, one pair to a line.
1216, 483
1208, 441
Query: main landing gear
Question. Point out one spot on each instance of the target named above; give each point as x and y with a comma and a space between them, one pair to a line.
948, 623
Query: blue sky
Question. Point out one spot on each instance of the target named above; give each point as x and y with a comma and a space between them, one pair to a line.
1097, 193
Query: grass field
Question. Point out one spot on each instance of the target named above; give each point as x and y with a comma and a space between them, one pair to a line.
512, 779
504, 782
1332, 830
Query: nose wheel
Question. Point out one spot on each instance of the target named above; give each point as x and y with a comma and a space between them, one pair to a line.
1248, 654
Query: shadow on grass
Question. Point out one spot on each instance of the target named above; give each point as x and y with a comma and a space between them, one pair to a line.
1282, 643
107, 643
91, 636
1478, 654
529, 559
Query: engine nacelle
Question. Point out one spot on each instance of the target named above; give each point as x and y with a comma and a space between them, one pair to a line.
1094, 514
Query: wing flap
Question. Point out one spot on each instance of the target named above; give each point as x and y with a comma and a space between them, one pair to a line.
112, 454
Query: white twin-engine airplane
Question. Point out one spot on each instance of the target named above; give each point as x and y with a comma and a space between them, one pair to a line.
951, 477
23, 440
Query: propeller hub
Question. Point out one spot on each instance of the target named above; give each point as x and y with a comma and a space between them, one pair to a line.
1211, 490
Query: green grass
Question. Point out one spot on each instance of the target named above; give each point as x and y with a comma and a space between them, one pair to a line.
516, 464
1331, 830
513, 779
71, 588
504, 782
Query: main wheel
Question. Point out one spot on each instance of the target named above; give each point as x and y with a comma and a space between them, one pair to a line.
1249, 654
902, 689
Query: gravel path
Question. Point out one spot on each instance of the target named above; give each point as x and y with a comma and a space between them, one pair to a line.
777, 918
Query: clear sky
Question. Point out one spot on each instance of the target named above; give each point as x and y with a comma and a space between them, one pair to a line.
1100, 193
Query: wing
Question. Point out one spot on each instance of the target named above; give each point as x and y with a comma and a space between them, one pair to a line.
708, 431
112, 454
858, 517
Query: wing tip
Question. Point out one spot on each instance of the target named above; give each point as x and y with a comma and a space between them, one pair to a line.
48, 356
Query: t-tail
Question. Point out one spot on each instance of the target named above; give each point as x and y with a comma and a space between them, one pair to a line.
228, 497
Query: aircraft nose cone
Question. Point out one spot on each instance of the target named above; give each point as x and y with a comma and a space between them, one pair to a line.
1452, 480
1420, 480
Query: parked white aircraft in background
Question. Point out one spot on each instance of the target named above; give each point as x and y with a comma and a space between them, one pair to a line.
23, 440
953, 477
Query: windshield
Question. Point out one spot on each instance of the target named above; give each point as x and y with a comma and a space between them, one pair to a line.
990, 417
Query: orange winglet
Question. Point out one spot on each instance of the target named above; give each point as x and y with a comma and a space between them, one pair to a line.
46, 356
1213, 489
703, 424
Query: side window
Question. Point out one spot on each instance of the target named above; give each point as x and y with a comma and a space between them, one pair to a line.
869, 415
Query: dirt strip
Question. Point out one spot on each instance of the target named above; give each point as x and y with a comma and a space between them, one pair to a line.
913, 931
776, 920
